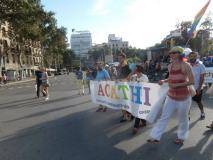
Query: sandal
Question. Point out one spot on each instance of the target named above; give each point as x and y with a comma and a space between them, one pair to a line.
123, 120
142, 124
153, 141
135, 131
179, 141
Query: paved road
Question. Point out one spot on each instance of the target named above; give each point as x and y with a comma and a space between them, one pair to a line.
68, 128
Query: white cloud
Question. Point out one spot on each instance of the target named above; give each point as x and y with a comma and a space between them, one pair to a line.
148, 22
100, 7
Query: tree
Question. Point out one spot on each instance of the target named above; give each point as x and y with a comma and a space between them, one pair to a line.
185, 26
68, 58
56, 47
24, 17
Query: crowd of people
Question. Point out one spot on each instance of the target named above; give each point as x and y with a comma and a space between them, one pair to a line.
185, 72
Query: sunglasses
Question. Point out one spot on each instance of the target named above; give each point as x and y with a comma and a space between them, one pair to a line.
192, 56
172, 53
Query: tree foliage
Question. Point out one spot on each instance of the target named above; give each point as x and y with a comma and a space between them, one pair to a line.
29, 21
201, 43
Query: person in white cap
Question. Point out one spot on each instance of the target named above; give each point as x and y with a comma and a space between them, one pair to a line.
199, 71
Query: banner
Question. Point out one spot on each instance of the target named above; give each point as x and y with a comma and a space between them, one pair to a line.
209, 75
136, 98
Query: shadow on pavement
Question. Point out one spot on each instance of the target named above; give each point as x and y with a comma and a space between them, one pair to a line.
85, 136
35, 102
48, 111
73, 137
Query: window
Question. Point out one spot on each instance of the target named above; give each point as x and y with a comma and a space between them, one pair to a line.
4, 33
7, 58
14, 59
27, 59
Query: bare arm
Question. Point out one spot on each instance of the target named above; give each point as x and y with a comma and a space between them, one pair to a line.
165, 80
201, 83
186, 68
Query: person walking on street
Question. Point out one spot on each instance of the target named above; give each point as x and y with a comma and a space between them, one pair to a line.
80, 81
178, 97
88, 78
38, 75
102, 75
45, 84
139, 77
199, 71
123, 74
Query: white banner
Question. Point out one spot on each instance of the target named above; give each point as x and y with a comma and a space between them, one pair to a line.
209, 75
136, 98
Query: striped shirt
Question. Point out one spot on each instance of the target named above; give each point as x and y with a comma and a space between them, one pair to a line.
180, 93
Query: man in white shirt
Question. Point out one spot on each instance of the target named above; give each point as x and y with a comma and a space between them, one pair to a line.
199, 71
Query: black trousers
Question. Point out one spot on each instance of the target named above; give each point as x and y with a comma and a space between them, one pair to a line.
38, 89
198, 98
137, 122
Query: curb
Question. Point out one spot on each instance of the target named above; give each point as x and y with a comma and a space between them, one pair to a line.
23, 81
18, 82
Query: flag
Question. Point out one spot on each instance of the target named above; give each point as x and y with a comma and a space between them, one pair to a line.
192, 31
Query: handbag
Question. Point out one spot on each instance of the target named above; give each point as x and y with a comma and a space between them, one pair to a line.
192, 90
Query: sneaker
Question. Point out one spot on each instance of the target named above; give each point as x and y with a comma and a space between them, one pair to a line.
47, 98
105, 109
153, 141
123, 120
99, 109
202, 116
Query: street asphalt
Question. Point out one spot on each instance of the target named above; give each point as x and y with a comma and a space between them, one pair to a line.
67, 128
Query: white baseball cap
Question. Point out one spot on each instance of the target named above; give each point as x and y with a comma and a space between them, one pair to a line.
187, 51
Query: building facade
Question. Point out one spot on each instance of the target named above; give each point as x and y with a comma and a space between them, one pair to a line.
81, 42
116, 43
17, 60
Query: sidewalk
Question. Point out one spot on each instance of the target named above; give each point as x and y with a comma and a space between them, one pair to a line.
22, 81
9, 83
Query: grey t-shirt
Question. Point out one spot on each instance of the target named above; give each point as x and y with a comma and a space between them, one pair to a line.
198, 68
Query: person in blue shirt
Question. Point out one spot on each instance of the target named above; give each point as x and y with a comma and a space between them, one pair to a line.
102, 75
88, 78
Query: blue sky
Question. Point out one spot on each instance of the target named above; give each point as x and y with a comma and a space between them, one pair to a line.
141, 22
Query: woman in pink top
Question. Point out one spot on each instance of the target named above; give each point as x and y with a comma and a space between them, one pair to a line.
180, 77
